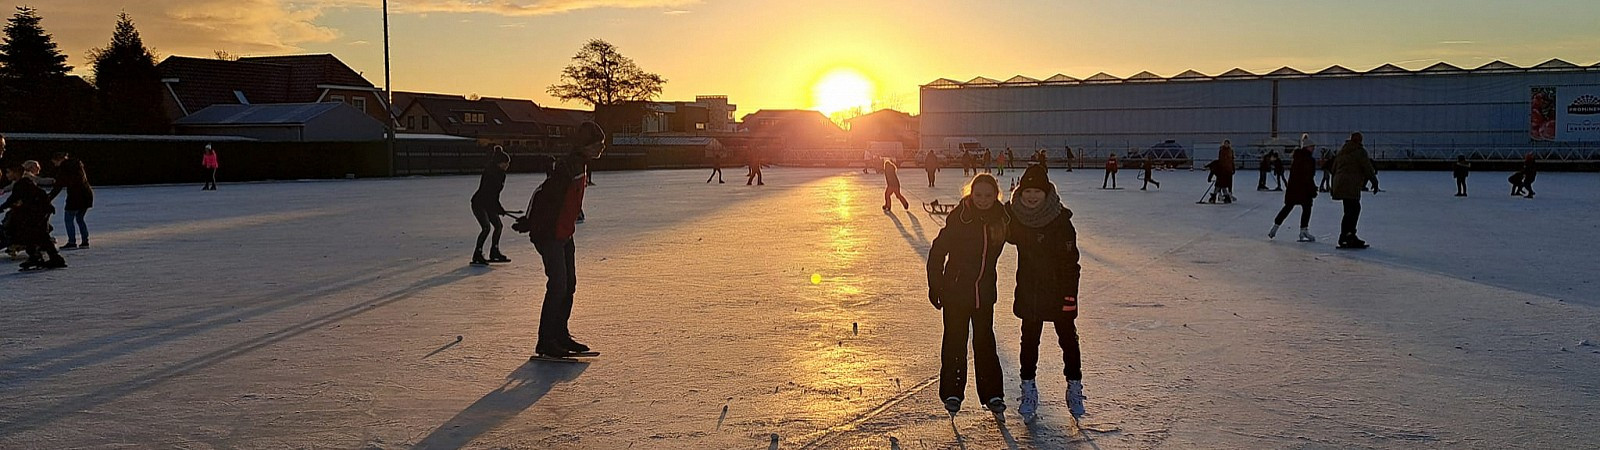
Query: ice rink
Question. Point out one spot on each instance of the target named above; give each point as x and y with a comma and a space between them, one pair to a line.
327, 314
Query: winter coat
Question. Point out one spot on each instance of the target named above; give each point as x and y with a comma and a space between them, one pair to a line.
29, 223
891, 173
1047, 268
1462, 169
1352, 170
1111, 165
553, 210
487, 196
1529, 172
1302, 179
80, 195
209, 161
961, 262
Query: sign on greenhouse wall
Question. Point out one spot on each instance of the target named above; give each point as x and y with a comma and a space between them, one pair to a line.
1565, 114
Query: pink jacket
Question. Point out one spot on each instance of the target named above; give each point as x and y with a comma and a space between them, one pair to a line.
209, 161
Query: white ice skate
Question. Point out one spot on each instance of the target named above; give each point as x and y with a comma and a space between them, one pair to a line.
1030, 399
1305, 235
1075, 397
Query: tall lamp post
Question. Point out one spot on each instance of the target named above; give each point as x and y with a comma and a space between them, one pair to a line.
388, 94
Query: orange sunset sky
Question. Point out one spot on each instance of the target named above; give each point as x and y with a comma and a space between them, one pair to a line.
776, 54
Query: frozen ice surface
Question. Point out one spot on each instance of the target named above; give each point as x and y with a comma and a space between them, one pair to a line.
325, 314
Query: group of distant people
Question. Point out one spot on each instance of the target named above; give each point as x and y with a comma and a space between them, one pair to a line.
25, 227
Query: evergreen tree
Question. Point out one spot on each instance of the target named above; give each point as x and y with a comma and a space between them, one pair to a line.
38, 95
129, 85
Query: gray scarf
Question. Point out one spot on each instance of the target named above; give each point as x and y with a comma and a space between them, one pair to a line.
1040, 216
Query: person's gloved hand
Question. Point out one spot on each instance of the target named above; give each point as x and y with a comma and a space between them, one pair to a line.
935, 300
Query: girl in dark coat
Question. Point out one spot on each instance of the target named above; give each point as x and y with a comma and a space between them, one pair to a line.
1302, 189
486, 206
1047, 282
1461, 170
1224, 172
961, 282
29, 224
80, 196
931, 164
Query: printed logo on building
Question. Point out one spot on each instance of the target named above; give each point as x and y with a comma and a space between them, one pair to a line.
1584, 105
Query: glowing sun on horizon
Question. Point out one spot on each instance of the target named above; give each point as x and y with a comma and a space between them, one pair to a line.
841, 89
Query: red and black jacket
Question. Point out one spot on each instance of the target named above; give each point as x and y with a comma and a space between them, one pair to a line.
553, 210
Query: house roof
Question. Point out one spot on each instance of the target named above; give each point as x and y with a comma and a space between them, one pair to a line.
202, 82
449, 113
265, 114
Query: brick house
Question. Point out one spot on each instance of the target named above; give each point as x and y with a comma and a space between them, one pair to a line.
196, 83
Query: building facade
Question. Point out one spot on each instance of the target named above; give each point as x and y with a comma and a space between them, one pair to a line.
1439, 110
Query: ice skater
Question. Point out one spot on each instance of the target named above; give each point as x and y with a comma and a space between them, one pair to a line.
1530, 171
12, 174
1264, 167
1040, 158
1302, 190
550, 223
1149, 165
755, 170
1462, 169
486, 207
1277, 169
1221, 172
209, 162
1111, 172
961, 282
988, 161
1047, 283
716, 167
71, 177
1327, 170
891, 175
29, 222
1001, 161
931, 164
1352, 171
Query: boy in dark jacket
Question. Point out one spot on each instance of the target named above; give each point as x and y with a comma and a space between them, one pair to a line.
550, 223
1461, 170
1047, 282
1149, 166
961, 282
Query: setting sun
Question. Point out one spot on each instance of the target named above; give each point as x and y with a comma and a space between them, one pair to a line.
842, 89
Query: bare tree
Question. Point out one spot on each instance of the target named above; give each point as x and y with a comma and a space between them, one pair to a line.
600, 75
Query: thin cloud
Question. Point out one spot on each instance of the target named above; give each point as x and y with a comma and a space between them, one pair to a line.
514, 25
676, 12
359, 42
199, 27
1457, 42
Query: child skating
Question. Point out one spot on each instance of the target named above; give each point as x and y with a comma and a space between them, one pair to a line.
1149, 166
486, 207
891, 175
1047, 284
961, 282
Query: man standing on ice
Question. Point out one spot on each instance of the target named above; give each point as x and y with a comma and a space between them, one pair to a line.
931, 164
550, 223
1352, 170
1111, 172
1047, 283
961, 282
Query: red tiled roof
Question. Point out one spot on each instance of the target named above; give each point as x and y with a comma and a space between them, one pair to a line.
308, 71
